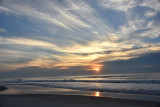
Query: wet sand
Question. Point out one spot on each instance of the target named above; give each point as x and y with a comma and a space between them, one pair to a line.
46, 100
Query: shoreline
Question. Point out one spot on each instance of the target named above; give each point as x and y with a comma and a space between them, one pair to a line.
49, 100
36, 90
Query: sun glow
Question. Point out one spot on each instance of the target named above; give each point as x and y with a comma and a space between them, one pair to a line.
97, 69
97, 94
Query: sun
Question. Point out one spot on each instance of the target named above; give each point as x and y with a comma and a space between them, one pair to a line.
97, 69
97, 94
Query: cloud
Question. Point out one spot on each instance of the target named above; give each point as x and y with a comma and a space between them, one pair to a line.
26, 41
73, 56
120, 5
63, 34
135, 20
125, 5
154, 5
2, 30
52, 13
150, 13
4, 9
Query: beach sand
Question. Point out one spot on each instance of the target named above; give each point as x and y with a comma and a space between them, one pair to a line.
45, 100
14, 98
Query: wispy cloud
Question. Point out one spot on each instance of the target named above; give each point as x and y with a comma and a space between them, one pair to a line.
63, 34
150, 13
51, 13
120, 5
2, 30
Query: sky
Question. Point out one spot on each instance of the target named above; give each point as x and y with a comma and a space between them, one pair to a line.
55, 36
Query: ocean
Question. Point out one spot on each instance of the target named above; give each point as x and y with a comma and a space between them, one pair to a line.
145, 86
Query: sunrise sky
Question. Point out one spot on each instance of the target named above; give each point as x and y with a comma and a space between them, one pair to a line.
53, 36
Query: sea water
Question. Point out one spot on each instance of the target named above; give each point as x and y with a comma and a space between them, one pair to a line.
142, 84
